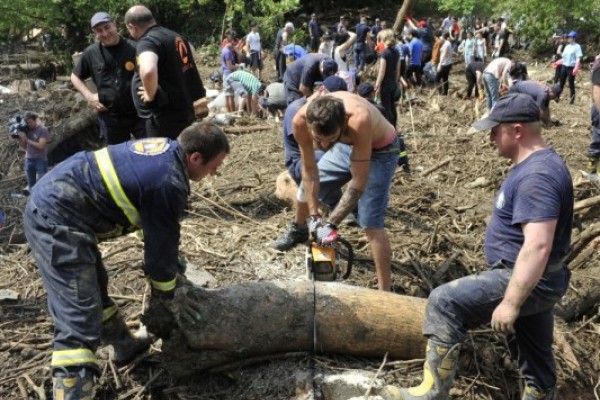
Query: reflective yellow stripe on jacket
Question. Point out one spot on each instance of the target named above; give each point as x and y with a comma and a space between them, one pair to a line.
68, 358
111, 180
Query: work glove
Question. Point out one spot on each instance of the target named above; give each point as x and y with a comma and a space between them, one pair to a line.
325, 234
182, 305
168, 309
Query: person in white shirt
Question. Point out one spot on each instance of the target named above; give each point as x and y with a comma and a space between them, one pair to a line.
253, 43
443, 68
571, 64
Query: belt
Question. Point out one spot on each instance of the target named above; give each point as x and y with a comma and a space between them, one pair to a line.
557, 266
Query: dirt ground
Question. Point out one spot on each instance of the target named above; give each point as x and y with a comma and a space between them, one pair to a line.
436, 220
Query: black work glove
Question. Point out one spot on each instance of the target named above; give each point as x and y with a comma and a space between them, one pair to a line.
180, 303
172, 308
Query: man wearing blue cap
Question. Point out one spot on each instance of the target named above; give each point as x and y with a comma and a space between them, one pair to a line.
110, 63
301, 75
571, 64
526, 242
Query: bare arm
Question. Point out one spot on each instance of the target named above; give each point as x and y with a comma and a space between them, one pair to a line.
148, 69
310, 171
305, 90
380, 74
529, 268
346, 45
24, 141
91, 98
596, 96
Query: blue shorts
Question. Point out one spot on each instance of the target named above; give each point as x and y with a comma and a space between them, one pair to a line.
232, 88
334, 172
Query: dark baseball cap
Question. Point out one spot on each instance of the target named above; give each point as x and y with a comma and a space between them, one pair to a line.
365, 89
330, 67
515, 107
100, 18
334, 83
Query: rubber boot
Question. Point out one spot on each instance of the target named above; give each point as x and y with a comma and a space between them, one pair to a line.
531, 393
593, 168
126, 347
73, 384
438, 374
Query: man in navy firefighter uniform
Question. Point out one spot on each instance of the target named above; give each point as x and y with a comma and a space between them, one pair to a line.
137, 185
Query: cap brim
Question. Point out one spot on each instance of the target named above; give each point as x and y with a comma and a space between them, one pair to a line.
485, 124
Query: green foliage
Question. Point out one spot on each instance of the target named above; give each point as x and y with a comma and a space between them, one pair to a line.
467, 7
541, 19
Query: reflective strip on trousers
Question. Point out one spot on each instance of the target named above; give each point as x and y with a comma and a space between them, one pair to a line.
164, 286
67, 358
111, 180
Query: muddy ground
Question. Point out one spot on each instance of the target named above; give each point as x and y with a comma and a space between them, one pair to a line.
436, 220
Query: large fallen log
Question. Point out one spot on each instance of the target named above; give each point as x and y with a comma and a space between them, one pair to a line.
266, 318
582, 296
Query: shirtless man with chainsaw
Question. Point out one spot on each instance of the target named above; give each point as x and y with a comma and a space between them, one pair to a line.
362, 148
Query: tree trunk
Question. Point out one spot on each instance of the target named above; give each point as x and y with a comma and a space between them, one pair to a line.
402, 13
583, 294
259, 319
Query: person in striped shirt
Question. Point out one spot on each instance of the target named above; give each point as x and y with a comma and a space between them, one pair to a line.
245, 85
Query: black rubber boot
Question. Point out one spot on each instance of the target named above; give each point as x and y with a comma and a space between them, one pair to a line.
125, 345
73, 384
295, 234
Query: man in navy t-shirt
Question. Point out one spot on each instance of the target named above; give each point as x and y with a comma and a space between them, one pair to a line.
594, 149
360, 46
525, 245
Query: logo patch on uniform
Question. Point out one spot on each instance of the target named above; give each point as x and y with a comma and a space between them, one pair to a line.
150, 146
129, 66
500, 200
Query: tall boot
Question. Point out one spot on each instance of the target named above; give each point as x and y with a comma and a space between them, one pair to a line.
531, 393
593, 167
125, 345
73, 383
438, 374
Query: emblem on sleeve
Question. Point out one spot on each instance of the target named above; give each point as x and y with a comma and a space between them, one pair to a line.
500, 200
150, 146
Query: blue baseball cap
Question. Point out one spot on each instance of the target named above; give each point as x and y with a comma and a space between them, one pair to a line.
334, 83
515, 107
572, 34
100, 18
330, 67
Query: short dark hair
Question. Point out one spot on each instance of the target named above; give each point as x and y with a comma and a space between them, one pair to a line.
325, 114
205, 138
139, 16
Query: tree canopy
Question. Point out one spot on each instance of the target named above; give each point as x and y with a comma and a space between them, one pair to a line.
204, 20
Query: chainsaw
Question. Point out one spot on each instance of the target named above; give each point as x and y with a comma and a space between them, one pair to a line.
323, 263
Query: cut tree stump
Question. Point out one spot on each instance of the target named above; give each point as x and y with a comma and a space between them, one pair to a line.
286, 188
254, 320
583, 294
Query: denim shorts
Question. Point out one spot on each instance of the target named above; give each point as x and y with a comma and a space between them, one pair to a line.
232, 87
335, 172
